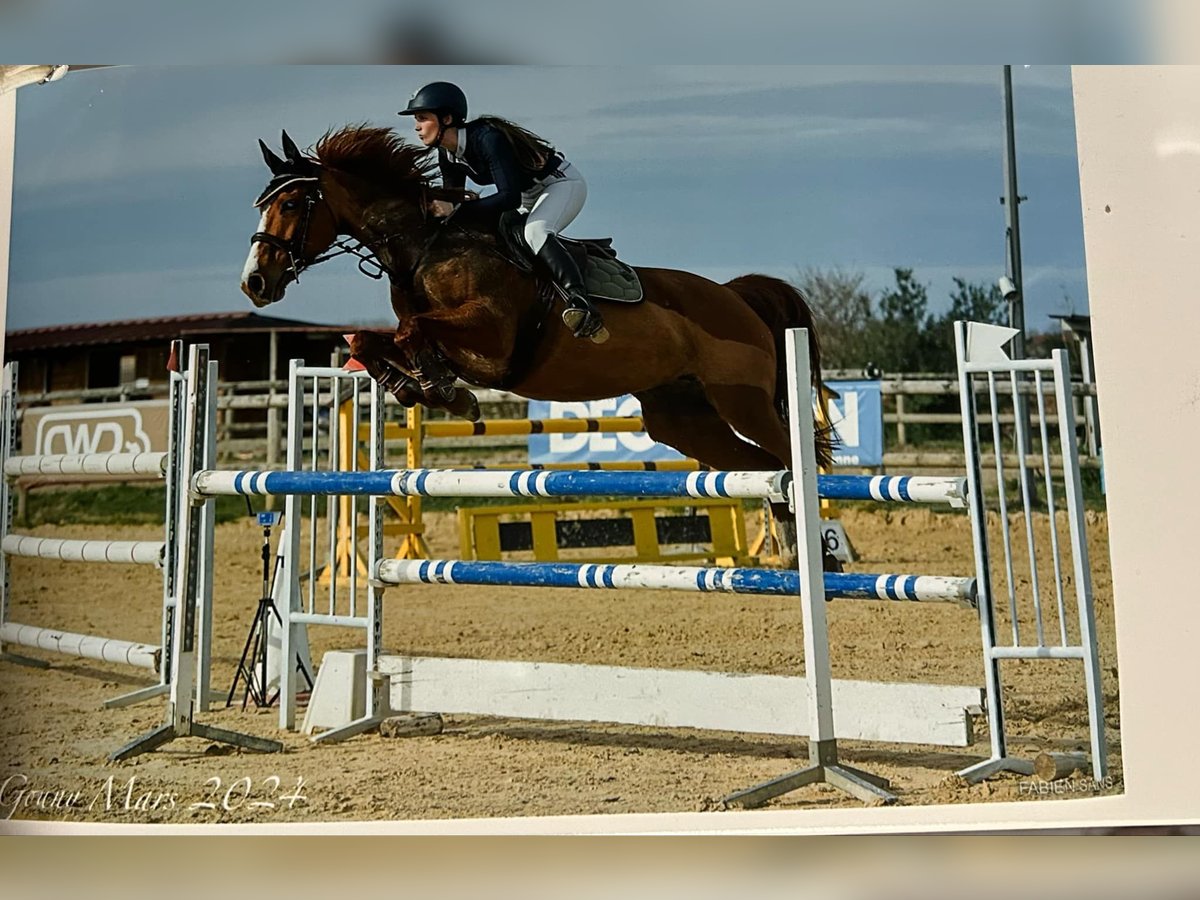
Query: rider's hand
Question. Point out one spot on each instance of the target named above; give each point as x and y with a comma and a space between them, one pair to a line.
441, 208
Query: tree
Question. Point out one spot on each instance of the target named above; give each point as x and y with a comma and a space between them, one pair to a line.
976, 303
899, 339
896, 332
842, 308
907, 302
969, 302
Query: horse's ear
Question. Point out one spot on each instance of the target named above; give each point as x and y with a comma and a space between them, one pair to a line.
274, 163
290, 150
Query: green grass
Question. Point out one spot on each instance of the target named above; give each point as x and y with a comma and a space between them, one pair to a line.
120, 504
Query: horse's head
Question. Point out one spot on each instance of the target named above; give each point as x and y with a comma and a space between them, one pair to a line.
297, 225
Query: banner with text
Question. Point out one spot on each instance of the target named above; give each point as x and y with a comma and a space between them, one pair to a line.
857, 416
132, 427
593, 446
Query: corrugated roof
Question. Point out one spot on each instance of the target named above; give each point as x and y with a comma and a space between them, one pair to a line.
161, 328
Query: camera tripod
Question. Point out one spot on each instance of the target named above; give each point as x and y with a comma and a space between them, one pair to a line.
253, 664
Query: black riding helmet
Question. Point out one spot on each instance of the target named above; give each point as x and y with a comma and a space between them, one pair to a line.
440, 97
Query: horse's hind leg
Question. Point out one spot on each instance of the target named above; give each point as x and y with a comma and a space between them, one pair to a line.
680, 416
751, 412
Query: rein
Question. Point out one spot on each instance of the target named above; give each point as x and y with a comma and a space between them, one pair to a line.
368, 259
531, 326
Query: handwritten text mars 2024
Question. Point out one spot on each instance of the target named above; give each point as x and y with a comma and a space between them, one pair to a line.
20, 798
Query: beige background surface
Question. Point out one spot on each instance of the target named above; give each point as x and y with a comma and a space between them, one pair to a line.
1139, 156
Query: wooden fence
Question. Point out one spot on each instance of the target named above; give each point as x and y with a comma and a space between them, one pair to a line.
252, 413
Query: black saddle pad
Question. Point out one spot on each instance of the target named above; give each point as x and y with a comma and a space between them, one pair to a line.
607, 277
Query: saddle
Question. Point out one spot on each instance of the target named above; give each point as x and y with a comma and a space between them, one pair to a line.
605, 276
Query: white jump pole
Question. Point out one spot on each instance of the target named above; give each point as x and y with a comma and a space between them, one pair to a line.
824, 766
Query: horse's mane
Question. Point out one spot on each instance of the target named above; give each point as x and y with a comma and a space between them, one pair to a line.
378, 155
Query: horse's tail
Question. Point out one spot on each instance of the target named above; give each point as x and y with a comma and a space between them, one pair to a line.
782, 306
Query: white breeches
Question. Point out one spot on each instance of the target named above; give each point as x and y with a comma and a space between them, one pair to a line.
552, 204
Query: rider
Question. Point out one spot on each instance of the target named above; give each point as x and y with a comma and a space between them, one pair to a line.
528, 173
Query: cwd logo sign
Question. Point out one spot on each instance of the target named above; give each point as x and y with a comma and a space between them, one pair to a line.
96, 429
593, 446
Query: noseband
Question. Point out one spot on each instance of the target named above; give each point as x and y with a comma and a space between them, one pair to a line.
295, 247
368, 262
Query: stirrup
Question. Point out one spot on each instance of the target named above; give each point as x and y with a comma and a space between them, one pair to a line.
585, 323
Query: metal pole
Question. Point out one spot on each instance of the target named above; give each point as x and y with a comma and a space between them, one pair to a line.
274, 414
8, 147
1012, 260
1091, 416
1012, 223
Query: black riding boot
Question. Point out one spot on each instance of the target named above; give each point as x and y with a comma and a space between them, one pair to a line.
580, 315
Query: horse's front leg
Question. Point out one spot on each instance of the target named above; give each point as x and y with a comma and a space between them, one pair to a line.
423, 360
435, 379
431, 371
383, 362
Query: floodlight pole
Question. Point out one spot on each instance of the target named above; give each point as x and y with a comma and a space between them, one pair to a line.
1012, 223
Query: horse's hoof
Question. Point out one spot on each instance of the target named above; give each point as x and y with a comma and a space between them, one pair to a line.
464, 405
438, 392
831, 563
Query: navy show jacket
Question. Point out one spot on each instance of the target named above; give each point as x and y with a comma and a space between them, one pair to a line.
486, 157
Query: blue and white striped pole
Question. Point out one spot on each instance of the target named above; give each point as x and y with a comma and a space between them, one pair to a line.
774, 486
695, 579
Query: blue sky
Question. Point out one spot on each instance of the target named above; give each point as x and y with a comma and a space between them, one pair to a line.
133, 185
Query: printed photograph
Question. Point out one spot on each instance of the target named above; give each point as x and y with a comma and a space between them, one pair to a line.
416, 443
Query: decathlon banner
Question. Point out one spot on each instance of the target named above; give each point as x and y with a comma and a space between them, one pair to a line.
857, 416
586, 447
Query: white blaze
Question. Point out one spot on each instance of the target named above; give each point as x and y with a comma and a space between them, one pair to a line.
252, 257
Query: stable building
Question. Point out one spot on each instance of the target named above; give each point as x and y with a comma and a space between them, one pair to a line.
128, 358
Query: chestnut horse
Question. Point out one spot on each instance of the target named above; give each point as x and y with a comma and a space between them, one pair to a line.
706, 360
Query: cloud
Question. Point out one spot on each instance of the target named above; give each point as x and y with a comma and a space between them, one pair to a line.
99, 125
723, 170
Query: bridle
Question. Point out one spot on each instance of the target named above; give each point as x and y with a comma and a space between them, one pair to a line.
294, 248
368, 260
